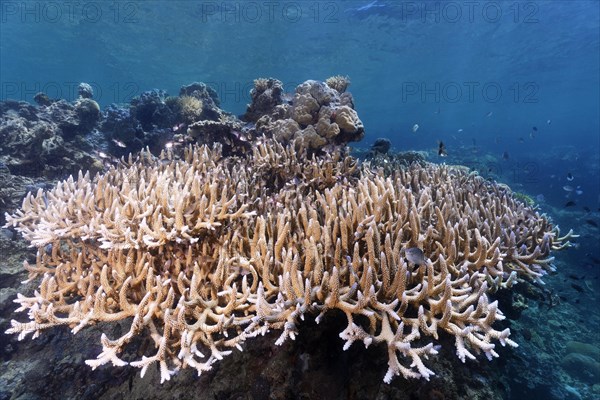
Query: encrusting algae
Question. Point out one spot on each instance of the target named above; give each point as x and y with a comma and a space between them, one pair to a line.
204, 252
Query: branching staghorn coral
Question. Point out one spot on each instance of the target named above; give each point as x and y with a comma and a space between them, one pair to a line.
204, 252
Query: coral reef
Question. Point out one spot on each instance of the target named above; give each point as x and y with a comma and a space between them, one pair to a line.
389, 162
228, 131
42, 99
316, 113
12, 190
119, 125
89, 114
338, 82
151, 110
155, 119
85, 90
202, 252
266, 95
381, 145
202, 92
190, 109
48, 140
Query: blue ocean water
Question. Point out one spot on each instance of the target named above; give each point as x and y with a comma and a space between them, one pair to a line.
477, 76
512, 88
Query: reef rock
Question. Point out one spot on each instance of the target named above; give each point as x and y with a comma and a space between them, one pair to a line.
266, 95
48, 141
381, 145
152, 111
228, 131
201, 91
197, 102
120, 126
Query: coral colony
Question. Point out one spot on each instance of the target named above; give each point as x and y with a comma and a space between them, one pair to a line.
210, 245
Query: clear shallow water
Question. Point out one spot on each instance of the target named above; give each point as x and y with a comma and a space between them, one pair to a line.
491, 69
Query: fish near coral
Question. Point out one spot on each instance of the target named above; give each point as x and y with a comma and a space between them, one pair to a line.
415, 256
200, 253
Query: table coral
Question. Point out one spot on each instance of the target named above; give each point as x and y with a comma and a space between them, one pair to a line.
202, 252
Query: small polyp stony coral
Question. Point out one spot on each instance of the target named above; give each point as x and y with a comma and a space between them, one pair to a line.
203, 252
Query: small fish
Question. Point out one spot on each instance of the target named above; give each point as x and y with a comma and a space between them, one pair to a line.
579, 191
575, 277
505, 155
586, 209
178, 127
521, 140
460, 130
415, 256
568, 188
119, 143
548, 122
489, 114
570, 204
591, 222
442, 150
438, 111
577, 287
532, 135
415, 128
570, 177
595, 260
535, 129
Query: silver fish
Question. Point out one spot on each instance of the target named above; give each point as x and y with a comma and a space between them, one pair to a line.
415, 255
119, 143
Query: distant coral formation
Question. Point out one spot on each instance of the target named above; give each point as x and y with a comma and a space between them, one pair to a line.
47, 140
317, 113
338, 82
202, 251
57, 138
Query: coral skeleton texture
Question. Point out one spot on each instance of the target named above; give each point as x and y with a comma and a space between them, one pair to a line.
202, 252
